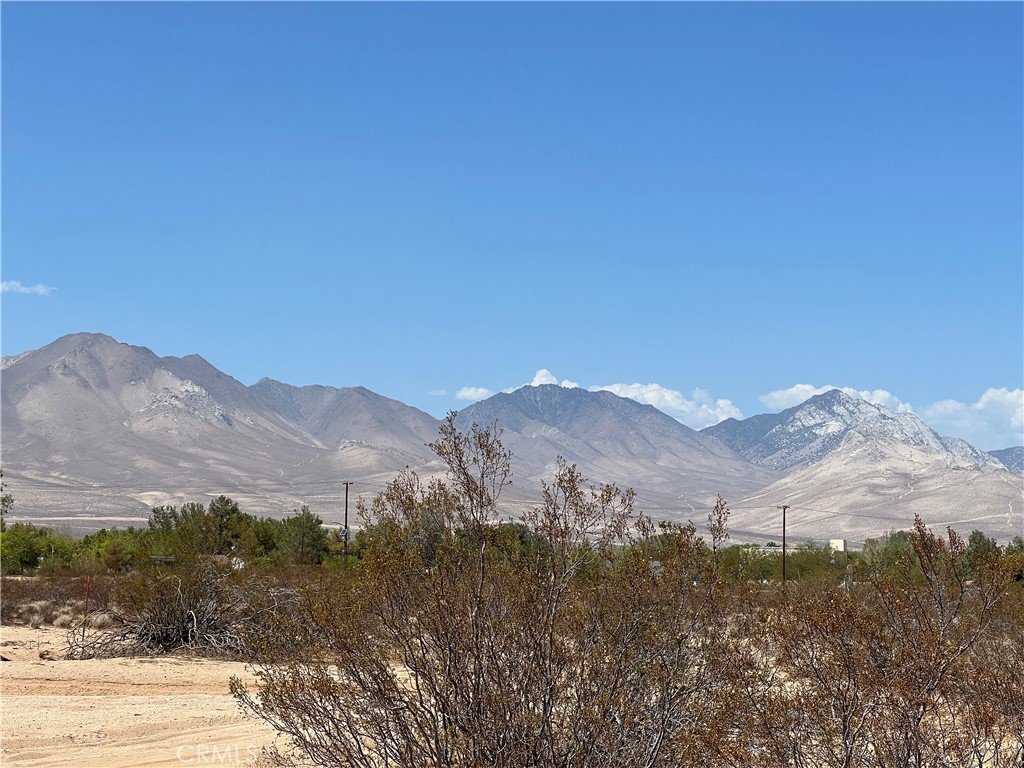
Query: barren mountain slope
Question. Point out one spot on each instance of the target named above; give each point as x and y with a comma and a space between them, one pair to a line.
337, 416
869, 485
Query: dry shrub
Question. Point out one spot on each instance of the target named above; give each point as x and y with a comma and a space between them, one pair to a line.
35, 613
470, 644
915, 668
41, 607
61, 592
100, 620
198, 606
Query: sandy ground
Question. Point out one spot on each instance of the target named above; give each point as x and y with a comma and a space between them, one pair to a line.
118, 713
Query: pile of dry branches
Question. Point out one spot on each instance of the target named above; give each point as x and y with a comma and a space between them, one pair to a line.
197, 607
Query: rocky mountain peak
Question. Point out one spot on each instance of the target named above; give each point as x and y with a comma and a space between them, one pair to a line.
568, 409
1011, 458
808, 432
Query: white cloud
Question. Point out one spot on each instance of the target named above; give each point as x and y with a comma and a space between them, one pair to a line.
996, 420
781, 399
699, 412
14, 286
544, 376
473, 393
438, 392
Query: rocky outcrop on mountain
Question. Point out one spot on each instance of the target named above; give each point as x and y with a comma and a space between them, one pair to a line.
1011, 458
807, 433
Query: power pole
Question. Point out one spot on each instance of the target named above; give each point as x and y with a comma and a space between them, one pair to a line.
346, 483
784, 507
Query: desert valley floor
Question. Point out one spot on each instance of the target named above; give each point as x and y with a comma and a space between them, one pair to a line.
118, 713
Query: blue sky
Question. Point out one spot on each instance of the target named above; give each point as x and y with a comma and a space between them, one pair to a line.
716, 208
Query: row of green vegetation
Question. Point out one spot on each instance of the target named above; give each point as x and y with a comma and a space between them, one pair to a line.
809, 561
223, 529
174, 534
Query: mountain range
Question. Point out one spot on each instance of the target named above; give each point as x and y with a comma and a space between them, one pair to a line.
96, 432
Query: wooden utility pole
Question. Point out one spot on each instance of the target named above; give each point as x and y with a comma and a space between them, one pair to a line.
784, 507
346, 483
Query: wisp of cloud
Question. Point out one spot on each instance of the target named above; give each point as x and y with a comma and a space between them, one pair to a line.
15, 286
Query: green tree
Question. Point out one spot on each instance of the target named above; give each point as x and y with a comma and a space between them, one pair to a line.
303, 538
883, 553
259, 538
25, 547
810, 561
6, 502
193, 530
57, 550
185, 533
116, 556
115, 548
232, 523
20, 548
980, 547
748, 562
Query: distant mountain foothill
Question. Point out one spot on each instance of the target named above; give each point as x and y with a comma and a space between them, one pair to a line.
96, 432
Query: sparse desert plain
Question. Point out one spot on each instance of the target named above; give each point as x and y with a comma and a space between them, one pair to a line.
118, 713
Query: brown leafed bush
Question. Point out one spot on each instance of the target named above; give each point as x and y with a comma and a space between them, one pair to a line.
915, 668
470, 643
